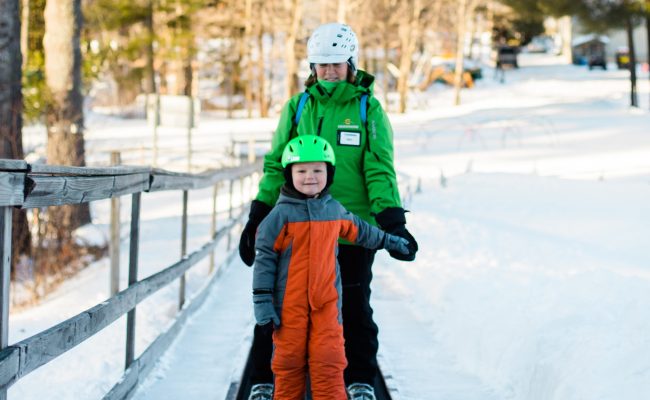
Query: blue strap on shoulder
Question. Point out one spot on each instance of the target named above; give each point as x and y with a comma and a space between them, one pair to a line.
305, 96
364, 108
301, 104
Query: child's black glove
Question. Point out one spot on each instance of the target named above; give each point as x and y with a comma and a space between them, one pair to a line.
259, 210
392, 220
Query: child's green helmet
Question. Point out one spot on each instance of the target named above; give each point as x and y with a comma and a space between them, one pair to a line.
307, 148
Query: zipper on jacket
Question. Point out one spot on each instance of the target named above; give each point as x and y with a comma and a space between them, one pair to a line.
320, 125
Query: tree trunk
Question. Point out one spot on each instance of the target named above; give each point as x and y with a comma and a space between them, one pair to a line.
473, 27
460, 44
10, 84
64, 116
150, 72
264, 104
183, 37
408, 38
435, 24
565, 32
275, 50
629, 27
290, 51
11, 108
24, 34
188, 55
188, 75
647, 27
152, 100
248, 55
385, 60
341, 11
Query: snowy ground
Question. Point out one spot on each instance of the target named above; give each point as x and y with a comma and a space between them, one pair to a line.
533, 272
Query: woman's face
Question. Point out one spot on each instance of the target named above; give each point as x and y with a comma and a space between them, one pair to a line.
332, 72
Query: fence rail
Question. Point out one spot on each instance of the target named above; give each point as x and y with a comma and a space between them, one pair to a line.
25, 185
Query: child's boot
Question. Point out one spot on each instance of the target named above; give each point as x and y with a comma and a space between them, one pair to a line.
262, 391
361, 391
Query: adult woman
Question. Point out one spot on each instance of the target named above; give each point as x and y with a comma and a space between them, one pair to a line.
340, 108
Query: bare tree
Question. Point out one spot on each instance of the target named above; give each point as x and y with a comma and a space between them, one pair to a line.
460, 48
24, 33
629, 29
10, 81
409, 33
294, 8
260, 33
381, 34
465, 10
647, 27
396, 31
248, 55
11, 100
64, 117
341, 11
150, 75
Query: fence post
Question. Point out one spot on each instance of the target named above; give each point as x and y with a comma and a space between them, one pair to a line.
181, 292
5, 252
133, 275
232, 149
213, 223
241, 192
251, 150
232, 183
114, 245
254, 182
190, 124
156, 122
6, 213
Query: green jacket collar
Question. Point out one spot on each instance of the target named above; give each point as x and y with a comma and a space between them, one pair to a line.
345, 91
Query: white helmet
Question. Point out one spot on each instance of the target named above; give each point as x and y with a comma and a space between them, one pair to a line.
333, 43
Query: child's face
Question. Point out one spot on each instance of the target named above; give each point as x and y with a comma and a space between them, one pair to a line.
309, 178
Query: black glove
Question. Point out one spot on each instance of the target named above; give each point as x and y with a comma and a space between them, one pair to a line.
392, 220
259, 210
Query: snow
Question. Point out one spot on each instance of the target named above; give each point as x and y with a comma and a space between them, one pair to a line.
532, 277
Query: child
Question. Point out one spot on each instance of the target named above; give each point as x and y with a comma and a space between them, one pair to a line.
296, 281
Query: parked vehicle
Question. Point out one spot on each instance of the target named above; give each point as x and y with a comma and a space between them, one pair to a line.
622, 56
507, 56
597, 59
590, 50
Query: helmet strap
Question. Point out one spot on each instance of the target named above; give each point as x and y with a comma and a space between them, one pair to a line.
330, 175
288, 179
352, 67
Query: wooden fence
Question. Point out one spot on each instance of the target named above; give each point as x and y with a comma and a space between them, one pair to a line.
29, 186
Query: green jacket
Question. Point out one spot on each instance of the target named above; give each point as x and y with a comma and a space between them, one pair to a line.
365, 181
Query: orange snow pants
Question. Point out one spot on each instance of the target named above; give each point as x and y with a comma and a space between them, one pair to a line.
316, 338
308, 335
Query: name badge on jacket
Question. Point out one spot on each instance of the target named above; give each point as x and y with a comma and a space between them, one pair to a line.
346, 138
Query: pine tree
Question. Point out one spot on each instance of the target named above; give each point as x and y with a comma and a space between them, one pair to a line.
11, 144
64, 116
